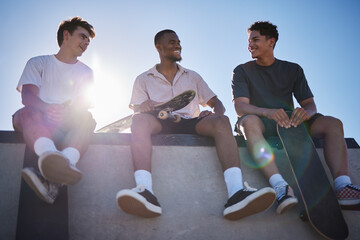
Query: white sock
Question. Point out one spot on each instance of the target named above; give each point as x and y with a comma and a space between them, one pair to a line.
143, 177
341, 181
276, 179
233, 180
44, 144
72, 154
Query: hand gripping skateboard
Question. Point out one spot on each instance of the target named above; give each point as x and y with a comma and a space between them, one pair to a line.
163, 111
322, 209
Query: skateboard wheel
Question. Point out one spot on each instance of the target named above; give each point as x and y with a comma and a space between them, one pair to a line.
303, 216
177, 118
163, 115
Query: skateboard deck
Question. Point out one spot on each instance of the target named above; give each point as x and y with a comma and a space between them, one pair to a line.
162, 111
322, 209
37, 219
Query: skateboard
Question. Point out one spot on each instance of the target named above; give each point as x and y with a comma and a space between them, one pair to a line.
163, 111
322, 209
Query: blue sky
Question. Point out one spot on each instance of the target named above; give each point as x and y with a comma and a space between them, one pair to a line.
321, 36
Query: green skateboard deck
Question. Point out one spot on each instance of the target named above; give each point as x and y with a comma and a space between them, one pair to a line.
322, 209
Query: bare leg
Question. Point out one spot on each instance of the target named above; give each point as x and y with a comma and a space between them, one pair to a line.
143, 126
30, 122
140, 201
253, 128
219, 128
335, 150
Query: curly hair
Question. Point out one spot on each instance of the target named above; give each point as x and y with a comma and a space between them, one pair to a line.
266, 29
71, 25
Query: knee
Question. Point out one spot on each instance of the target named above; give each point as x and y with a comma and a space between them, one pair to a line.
141, 123
29, 113
222, 123
252, 124
82, 120
336, 123
333, 124
89, 121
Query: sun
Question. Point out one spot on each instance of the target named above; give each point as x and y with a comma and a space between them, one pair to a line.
109, 95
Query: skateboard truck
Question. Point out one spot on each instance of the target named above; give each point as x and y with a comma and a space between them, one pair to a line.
162, 111
163, 115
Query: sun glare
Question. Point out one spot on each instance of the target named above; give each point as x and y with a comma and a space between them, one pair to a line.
108, 96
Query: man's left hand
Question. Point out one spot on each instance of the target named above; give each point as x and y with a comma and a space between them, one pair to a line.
298, 116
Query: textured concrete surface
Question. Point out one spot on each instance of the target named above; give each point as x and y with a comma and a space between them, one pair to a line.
11, 162
188, 182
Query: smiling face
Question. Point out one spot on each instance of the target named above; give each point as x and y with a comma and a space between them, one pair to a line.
260, 47
77, 42
169, 47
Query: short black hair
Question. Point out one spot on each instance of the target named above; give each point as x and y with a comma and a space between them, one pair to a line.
71, 25
266, 29
159, 35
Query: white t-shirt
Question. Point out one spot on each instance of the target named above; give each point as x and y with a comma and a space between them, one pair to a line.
153, 85
58, 82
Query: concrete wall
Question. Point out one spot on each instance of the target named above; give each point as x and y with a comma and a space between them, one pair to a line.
187, 180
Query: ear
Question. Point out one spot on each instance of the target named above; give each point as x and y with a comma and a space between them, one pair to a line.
158, 47
272, 42
66, 34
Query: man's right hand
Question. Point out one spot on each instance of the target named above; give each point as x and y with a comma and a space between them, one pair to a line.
279, 116
57, 112
147, 106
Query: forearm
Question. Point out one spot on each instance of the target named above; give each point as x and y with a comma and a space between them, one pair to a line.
218, 108
310, 109
29, 99
309, 106
248, 109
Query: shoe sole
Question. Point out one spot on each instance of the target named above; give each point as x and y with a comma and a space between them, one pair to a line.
36, 185
135, 204
257, 202
286, 205
350, 202
56, 168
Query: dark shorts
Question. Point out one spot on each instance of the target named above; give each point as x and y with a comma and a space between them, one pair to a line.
185, 126
270, 125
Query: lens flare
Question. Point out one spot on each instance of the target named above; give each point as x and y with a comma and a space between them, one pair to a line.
302, 166
263, 155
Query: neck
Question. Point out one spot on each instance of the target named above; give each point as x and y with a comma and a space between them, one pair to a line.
167, 67
66, 57
266, 60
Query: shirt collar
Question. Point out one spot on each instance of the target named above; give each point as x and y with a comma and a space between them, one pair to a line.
154, 71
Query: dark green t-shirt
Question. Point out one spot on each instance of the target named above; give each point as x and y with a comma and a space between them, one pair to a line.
271, 86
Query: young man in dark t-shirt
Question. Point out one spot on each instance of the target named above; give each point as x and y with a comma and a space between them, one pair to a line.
263, 94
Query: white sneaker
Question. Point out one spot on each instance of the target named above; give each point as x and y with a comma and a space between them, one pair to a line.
44, 189
55, 167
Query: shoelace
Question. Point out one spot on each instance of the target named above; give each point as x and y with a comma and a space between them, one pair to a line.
53, 190
248, 188
280, 190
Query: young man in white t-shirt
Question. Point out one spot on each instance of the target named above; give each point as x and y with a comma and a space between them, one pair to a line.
55, 120
159, 84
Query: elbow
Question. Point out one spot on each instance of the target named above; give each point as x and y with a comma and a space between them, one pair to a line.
239, 109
